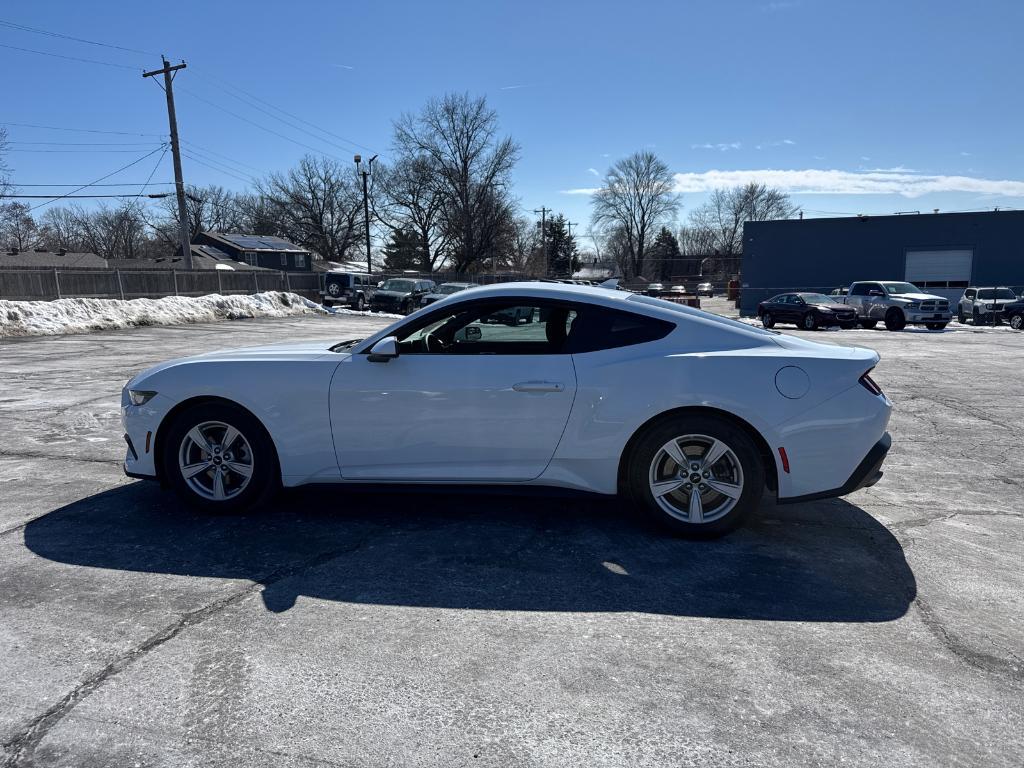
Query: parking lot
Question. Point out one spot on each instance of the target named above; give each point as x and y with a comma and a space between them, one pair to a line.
416, 628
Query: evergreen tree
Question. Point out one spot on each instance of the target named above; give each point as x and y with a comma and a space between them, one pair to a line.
562, 256
403, 251
664, 255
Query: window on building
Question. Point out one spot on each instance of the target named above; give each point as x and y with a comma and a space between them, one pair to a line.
284, 259
250, 258
300, 261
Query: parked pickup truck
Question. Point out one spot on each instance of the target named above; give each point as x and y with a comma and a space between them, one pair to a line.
896, 304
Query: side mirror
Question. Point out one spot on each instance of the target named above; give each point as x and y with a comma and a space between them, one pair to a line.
384, 350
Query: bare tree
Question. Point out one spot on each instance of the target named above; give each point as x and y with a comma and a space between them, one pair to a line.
17, 227
524, 251
407, 199
471, 167
635, 200
5, 178
717, 226
317, 204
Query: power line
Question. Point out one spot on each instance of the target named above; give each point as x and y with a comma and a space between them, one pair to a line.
261, 127
70, 58
352, 144
86, 143
102, 178
204, 151
37, 31
80, 151
152, 173
219, 170
84, 130
51, 198
111, 184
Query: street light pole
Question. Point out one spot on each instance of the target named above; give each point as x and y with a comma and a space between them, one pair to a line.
366, 206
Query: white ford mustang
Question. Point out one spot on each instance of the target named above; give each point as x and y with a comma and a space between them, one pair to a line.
688, 413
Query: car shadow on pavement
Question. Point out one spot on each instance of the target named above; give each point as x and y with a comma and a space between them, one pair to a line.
826, 561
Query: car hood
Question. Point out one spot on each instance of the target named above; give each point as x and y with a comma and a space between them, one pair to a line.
391, 294
834, 306
917, 296
294, 351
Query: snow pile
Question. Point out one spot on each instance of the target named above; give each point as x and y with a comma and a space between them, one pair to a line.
48, 318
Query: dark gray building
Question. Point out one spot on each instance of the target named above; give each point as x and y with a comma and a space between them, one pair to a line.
941, 253
264, 251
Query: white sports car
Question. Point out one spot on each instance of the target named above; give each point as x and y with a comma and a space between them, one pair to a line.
690, 414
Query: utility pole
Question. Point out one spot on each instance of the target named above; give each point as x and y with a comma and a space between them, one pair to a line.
366, 205
544, 236
179, 184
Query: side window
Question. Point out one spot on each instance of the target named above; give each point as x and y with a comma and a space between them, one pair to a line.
492, 328
860, 289
600, 328
969, 294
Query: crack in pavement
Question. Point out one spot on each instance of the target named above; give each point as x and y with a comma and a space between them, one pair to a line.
21, 747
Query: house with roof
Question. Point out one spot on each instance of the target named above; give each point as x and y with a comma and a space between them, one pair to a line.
43, 259
265, 251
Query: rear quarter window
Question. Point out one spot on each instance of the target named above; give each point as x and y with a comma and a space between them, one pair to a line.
601, 328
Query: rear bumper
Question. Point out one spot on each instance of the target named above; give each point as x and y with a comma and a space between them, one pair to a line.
867, 473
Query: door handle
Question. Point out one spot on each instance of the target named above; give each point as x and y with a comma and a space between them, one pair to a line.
538, 386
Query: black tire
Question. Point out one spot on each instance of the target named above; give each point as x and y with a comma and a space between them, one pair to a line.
847, 326
360, 303
767, 320
406, 307
935, 326
648, 450
894, 320
976, 316
867, 325
1017, 322
262, 459
809, 322
961, 317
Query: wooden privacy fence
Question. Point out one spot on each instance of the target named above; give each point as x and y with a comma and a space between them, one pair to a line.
46, 284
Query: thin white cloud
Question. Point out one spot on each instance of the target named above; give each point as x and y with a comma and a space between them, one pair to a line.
966, 154
594, 171
512, 87
813, 181
343, 66
835, 182
721, 147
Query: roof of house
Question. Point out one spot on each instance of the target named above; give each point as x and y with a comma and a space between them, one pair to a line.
201, 259
50, 259
256, 242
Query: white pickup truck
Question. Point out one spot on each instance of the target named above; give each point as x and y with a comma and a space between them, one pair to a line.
897, 304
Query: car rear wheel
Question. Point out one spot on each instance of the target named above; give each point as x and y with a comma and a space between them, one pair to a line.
360, 303
1017, 322
810, 322
767, 320
894, 320
867, 325
219, 458
698, 476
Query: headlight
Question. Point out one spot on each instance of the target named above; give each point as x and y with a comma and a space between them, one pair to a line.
990, 306
140, 396
913, 305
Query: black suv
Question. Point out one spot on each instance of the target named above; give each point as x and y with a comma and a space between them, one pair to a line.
352, 288
1013, 313
400, 294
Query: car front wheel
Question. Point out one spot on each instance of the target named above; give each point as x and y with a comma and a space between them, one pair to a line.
810, 322
219, 458
1017, 322
894, 320
698, 476
867, 325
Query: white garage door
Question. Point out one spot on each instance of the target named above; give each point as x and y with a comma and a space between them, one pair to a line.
945, 273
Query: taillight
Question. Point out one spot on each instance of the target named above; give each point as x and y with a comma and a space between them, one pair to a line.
869, 384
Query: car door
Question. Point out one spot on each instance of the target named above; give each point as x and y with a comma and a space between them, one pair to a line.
490, 408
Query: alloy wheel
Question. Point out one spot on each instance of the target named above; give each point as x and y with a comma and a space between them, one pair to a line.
215, 460
696, 478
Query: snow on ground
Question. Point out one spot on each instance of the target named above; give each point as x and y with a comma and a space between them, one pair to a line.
47, 318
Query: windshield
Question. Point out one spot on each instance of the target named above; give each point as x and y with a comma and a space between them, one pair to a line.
398, 285
817, 298
901, 288
448, 288
996, 293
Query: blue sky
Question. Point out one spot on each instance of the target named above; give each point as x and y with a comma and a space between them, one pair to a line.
853, 107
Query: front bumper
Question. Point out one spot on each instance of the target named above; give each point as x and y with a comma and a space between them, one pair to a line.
140, 423
929, 317
867, 473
